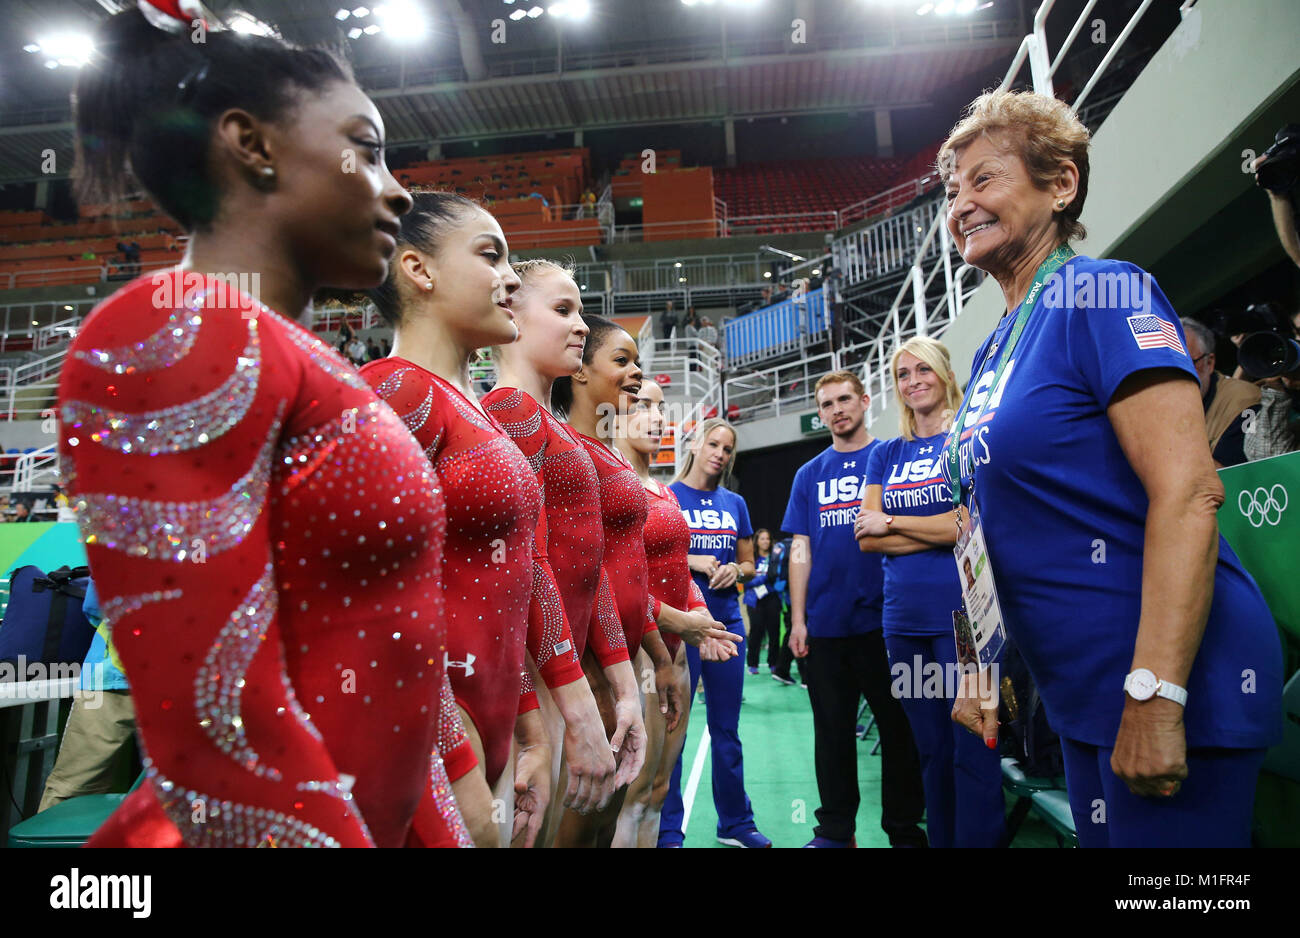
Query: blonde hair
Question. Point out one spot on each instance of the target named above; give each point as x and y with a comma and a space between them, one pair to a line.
1043, 131
835, 377
699, 435
535, 265
935, 354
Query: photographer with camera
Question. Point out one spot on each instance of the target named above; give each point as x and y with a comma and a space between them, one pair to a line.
1275, 360
1230, 404
1276, 172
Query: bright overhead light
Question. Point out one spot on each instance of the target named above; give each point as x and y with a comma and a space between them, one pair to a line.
372, 29
816, 272
678, 264
535, 12
681, 279
518, 15
965, 6
944, 7
360, 12
924, 9
767, 273
31, 47
403, 20
50, 63
67, 307
71, 49
353, 33
341, 15
570, 9
249, 25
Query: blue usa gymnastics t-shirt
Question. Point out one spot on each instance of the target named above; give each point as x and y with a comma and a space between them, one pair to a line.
921, 589
716, 519
1065, 514
845, 586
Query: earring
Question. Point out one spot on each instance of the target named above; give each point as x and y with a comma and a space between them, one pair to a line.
429, 285
268, 171
1060, 203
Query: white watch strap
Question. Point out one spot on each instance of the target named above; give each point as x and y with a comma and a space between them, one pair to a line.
1172, 692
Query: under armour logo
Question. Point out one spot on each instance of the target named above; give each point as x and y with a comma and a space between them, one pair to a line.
706, 501
467, 664
850, 463
926, 449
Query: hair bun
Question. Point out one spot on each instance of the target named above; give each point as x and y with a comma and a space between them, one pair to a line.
171, 15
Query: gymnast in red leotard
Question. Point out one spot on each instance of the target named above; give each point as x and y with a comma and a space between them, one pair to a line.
449, 294
278, 612
667, 542
594, 399
547, 308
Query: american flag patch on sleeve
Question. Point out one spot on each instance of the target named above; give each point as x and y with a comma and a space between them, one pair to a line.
1153, 332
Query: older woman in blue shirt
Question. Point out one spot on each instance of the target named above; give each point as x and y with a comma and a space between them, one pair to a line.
1083, 435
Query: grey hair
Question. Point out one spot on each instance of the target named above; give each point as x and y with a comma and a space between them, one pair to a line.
1200, 330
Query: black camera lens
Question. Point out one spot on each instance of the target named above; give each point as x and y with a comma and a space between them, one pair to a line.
1268, 355
1281, 167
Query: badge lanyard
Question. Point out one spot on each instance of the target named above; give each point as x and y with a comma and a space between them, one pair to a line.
978, 627
1049, 266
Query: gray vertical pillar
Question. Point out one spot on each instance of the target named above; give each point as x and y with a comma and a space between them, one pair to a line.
42, 193
577, 137
884, 134
729, 133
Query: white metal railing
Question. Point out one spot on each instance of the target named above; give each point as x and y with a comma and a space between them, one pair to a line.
884, 247
693, 391
777, 390
892, 198
40, 465
77, 274
57, 332
40, 374
914, 318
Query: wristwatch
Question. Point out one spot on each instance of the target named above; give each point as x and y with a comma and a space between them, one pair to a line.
1142, 684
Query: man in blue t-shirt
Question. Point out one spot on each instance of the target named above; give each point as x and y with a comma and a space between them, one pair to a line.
836, 595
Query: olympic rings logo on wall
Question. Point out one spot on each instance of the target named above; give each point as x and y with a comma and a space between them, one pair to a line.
1263, 505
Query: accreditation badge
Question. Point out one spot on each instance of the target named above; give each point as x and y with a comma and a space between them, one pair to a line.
979, 633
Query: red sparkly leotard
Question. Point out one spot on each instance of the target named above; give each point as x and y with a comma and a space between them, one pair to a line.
623, 505
263, 532
667, 542
493, 504
571, 530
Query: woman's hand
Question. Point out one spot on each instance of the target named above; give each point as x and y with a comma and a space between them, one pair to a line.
698, 626
628, 743
670, 695
532, 791
870, 523
713, 649
591, 763
702, 563
723, 576
976, 705
1150, 754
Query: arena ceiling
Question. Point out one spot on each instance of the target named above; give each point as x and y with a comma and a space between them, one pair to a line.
631, 62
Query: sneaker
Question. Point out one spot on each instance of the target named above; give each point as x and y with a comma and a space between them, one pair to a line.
827, 842
753, 670
803, 684
749, 838
782, 679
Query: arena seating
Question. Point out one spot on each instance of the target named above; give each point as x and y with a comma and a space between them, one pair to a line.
533, 195
37, 251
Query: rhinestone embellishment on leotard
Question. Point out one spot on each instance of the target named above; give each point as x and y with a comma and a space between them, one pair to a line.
182, 427
161, 350
168, 530
204, 821
219, 683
